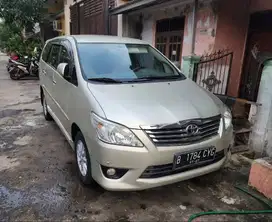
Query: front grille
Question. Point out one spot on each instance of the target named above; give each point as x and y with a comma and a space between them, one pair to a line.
176, 134
167, 169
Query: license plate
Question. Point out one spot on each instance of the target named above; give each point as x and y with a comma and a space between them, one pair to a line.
195, 157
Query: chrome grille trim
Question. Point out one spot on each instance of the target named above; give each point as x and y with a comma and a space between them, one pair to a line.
176, 134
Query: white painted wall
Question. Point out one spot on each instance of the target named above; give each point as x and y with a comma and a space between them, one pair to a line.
120, 19
120, 25
261, 137
147, 33
67, 5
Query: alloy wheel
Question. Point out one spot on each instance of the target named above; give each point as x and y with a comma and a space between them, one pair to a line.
81, 158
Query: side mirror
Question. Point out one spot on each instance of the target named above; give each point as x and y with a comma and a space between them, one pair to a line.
63, 69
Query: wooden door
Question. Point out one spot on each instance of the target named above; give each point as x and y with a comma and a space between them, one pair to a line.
169, 38
170, 44
258, 43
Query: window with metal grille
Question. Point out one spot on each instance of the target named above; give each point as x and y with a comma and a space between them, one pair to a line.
169, 25
169, 38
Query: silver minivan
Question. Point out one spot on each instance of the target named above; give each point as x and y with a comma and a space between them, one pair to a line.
134, 120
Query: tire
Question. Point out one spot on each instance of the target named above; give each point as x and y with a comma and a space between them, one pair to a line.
83, 160
15, 74
46, 114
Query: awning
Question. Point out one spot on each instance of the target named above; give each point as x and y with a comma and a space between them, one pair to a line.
134, 5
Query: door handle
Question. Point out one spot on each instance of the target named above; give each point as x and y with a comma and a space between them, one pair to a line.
43, 72
53, 79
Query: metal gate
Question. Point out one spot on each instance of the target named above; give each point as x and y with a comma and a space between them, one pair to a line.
213, 71
91, 17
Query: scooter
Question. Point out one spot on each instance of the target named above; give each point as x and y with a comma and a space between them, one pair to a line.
20, 70
34, 67
11, 60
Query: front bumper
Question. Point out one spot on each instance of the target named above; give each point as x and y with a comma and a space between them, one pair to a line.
137, 160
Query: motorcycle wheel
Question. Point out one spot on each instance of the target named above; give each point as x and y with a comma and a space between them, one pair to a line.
15, 74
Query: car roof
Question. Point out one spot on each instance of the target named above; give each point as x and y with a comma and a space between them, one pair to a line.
102, 39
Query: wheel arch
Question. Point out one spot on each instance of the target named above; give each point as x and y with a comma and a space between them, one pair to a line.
74, 130
41, 94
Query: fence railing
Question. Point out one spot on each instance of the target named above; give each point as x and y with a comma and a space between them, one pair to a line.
213, 71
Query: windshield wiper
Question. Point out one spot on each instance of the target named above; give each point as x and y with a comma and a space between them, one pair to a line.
159, 77
105, 80
138, 68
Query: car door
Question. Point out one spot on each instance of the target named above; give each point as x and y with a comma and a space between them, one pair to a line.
45, 82
49, 57
65, 85
51, 71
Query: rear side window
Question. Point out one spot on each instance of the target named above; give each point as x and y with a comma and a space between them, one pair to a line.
46, 52
53, 59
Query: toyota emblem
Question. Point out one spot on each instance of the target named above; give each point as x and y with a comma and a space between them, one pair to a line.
192, 129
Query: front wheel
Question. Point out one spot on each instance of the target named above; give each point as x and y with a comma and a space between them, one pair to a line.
83, 160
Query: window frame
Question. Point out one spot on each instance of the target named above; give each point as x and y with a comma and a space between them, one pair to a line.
52, 45
49, 45
67, 45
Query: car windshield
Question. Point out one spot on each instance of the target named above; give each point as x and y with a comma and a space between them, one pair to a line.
124, 62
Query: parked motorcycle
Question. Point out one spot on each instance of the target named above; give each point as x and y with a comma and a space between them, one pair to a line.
34, 66
21, 70
12, 58
30, 67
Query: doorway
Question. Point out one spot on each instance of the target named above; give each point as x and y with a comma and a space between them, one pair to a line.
169, 38
259, 45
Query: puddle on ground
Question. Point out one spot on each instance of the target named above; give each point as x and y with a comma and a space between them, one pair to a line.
9, 112
11, 198
12, 112
49, 200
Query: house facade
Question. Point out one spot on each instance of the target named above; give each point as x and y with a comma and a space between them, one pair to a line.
185, 30
220, 44
90, 17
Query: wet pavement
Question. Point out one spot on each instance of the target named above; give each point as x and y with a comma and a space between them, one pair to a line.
38, 179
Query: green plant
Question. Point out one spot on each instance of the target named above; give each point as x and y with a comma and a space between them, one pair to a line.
12, 40
18, 16
23, 13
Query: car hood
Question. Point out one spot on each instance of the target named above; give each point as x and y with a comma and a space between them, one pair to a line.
151, 103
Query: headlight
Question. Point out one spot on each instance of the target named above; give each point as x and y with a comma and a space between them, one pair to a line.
114, 133
227, 118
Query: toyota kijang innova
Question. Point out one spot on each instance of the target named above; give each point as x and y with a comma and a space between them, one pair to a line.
133, 119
